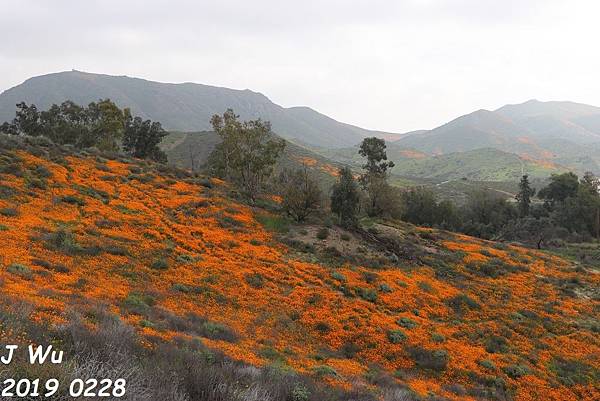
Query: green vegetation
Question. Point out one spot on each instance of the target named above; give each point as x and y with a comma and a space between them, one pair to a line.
396, 336
474, 165
382, 198
101, 124
20, 270
300, 192
247, 153
345, 198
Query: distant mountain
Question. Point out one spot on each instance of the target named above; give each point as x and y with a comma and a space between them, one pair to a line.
479, 129
562, 133
579, 123
182, 107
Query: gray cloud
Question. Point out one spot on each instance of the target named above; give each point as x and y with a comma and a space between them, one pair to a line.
394, 65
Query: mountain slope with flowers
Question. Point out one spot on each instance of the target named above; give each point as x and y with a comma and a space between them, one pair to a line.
177, 256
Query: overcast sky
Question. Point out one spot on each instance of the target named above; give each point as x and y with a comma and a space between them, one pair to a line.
381, 64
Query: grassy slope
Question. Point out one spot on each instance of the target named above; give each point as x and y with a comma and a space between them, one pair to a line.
476, 165
150, 246
455, 175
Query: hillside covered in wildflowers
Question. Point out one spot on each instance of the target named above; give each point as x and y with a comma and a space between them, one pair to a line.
393, 310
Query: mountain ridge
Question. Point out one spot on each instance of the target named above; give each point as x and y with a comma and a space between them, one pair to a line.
182, 106
550, 132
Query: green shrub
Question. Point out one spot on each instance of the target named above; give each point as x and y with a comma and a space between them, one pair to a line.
185, 258
345, 237
271, 354
571, 372
486, 363
324, 370
255, 280
496, 344
138, 304
274, 223
338, 276
407, 323
3, 227
429, 359
462, 303
62, 240
229, 222
92, 193
323, 233
437, 338
106, 223
160, 264
6, 192
35, 183
116, 250
396, 336
73, 200
323, 327
370, 277
12, 168
349, 350
425, 286
205, 182
20, 270
49, 266
493, 268
146, 323
300, 393
41, 171
516, 371
9, 212
215, 330
181, 288
383, 287
299, 245
368, 294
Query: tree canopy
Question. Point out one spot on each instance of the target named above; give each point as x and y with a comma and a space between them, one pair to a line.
101, 124
247, 153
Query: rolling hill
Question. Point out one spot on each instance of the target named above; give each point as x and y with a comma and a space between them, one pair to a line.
562, 133
485, 164
183, 289
182, 107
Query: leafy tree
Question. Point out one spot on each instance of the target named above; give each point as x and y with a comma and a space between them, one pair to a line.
106, 124
374, 150
485, 214
533, 231
590, 182
301, 194
27, 120
141, 139
524, 196
574, 204
374, 178
589, 188
448, 216
561, 187
66, 124
345, 198
101, 124
420, 206
8, 129
247, 153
